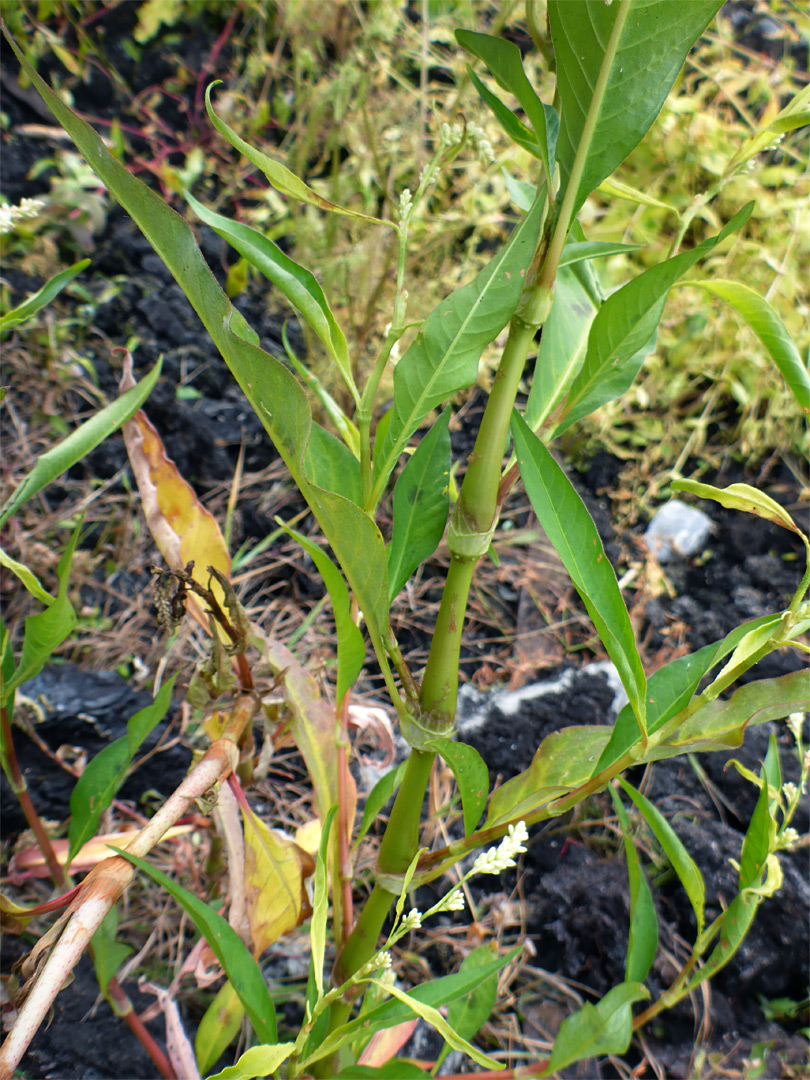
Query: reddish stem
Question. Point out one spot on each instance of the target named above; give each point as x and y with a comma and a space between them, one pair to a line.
20, 789
125, 1010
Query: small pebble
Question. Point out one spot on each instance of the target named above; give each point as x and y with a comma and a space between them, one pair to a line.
677, 530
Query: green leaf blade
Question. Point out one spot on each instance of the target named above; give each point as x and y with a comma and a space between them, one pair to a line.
101, 780
443, 358
240, 967
771, 331
595, 1030
28, 308
682, 862
623, 331
472, 777
571, 530
421, 503
625, 57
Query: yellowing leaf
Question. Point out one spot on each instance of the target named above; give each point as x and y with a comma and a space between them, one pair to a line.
309, 836
181, 527
275, 870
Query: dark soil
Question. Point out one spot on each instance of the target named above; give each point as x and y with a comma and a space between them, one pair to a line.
575, 890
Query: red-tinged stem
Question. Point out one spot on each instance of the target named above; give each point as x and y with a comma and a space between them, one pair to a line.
124, 1009
20, 789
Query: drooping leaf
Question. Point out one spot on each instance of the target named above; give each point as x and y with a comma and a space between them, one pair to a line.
27, 577
275, 871
351, 649
257, 1061
741, 497
616, 63
571, 530
297, 283
182, 528
604, 1028
433, 1017
101, 780
79, 443
218, 1028
472, 777
443, 358
43, 632
624, 329
682, 862
421, 503
279, 175
503, 60
642, 943
669, 690
274, 393
41, 297
240, 967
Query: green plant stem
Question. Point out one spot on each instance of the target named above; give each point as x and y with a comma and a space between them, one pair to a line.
440, 682
477, 502
361, 945
401, 839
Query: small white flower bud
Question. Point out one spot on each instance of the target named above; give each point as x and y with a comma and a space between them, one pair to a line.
796, 722
412, 921
10, 216
789, 791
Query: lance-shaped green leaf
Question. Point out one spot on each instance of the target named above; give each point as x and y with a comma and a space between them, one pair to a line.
443, 358
472, 777
274, 393
579, 251
433, 1017
79, 443
562, 346
421, 503
257, 1061
242, 970
563, 762
642, 943
101, 780
435, 993
616, 64
466, 1015
514, 128
218, 1028
351, 650
760, 836
682, 862
378, 797
771, 331
299, 285
571, 530
670, 689
27, 577
504, 62
43, 632
279, 175
741, 497
604, 1028
41, 297
721, 724
624, 329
